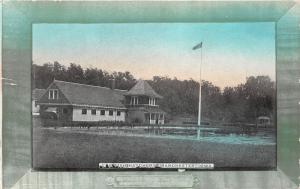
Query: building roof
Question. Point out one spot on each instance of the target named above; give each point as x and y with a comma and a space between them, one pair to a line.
37, 93
142, 88
81, 94
154, 110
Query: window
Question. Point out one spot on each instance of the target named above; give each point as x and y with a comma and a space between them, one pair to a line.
65, 111
152, 101
118, 113
134, 100
53, 94
111, 112
93, 111
50, 94
84, 111
102, 112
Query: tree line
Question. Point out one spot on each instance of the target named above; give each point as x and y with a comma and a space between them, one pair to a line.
242, 103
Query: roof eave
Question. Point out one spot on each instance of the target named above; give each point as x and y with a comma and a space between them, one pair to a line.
149, 95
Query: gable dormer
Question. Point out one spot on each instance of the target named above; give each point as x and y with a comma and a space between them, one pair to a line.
53, 95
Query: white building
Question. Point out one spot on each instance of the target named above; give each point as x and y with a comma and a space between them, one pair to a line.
74, 102
79, 102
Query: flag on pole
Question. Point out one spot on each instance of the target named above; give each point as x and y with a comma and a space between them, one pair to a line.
198, 46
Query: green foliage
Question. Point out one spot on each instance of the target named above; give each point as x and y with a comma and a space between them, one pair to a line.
243, 103
43, 75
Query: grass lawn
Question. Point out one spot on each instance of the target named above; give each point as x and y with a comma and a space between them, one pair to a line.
56, 149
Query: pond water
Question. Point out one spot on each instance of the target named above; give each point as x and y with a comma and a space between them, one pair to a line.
260, 137
211, 135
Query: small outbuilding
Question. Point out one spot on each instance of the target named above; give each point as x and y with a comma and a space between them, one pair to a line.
263, 121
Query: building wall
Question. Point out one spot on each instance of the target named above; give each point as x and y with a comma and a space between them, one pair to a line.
162, 121
78, 116
157, 119
65, 113
35, 108
136, 116
139, 115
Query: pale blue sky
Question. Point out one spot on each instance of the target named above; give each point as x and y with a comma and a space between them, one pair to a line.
231, 51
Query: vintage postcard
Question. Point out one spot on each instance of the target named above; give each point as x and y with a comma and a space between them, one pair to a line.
159, 94
129, 93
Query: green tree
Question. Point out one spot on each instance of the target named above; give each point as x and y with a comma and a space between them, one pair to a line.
75, 73
242, 103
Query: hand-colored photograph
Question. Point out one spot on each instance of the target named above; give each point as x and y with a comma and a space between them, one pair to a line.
154, 93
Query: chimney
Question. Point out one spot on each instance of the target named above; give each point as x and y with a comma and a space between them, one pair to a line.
113, 84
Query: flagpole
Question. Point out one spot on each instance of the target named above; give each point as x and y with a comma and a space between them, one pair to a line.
199, 107
200, 84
